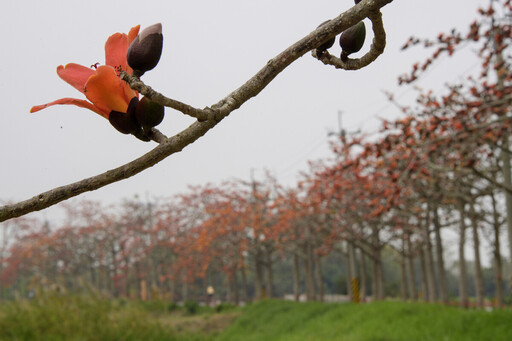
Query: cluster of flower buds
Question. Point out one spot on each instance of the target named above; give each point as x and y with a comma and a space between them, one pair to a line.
140, 117
351, 40
142, 55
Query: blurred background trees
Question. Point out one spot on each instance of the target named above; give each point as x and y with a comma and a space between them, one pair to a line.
375, 220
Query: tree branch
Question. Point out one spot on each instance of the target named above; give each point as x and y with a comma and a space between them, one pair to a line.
136, 84
376, 49
492, 180
207, 118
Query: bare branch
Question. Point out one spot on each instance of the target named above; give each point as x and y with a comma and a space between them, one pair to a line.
207, 118
492, 180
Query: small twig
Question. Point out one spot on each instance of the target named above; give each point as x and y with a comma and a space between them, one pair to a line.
376, 49
157, 136
136, 84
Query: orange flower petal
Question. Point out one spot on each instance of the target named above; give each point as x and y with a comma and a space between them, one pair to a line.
78, 102
115, 51
75, 75
106, 90
116, 48
134, 31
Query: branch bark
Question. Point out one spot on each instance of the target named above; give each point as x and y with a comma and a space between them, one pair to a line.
207, 118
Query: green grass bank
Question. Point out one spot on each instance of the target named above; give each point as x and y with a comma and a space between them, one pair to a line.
380, 321
89, 318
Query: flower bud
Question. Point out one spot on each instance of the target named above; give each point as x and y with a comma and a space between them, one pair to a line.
149, 113
145, 50
352, 40
125, 123
327, 44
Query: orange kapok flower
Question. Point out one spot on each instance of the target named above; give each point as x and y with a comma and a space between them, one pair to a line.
104, 90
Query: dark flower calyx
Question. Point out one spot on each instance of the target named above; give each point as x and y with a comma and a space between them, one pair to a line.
149, 113
125, 123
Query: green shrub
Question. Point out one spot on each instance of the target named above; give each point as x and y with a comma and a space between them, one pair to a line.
172, 306
59, 317
223, 307
192, 307
154, 306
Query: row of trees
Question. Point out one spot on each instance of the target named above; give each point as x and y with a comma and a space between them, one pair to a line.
444, 166
237, 235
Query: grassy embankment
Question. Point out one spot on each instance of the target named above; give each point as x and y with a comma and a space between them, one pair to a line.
79, 318
381, 321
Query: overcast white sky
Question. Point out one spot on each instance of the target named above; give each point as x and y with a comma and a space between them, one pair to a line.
210, 49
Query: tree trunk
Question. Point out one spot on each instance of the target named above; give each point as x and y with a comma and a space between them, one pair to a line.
505, 150
429, 263
245, 294
377, 273
113, 272
380, 277
410, 265
258, 277
236, 293
363, 277
479, 284
403, 279
229, 288
463, 286
505, 158
184, 290
296, 277
443, 287
424, 284
93, 275
318, 279
348, 277
374, 279
172, 290
268, 262
309, 273
498, 265
354, 280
